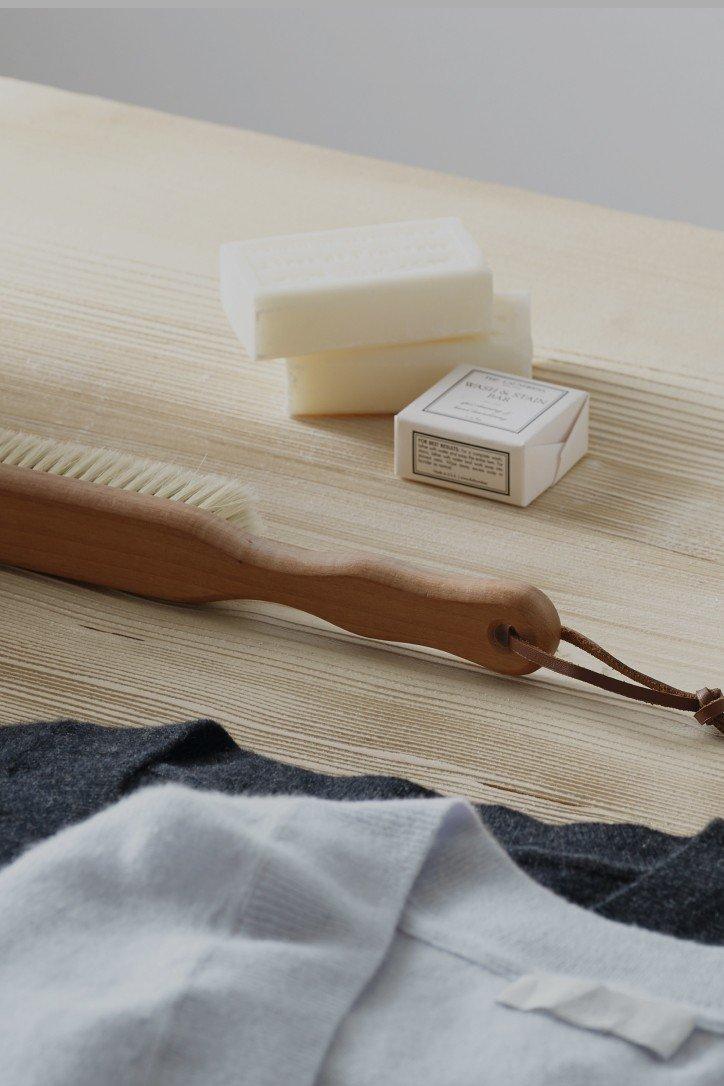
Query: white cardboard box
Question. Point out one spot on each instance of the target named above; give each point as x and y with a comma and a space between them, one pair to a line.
492, 434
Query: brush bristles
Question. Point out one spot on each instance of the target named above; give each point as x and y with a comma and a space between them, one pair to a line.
215, 494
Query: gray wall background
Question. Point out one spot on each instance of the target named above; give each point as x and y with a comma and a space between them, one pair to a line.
622, 107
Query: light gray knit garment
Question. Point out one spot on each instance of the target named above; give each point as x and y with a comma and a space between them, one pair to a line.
185, 937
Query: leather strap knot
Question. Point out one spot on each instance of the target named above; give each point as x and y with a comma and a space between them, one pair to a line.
712, 708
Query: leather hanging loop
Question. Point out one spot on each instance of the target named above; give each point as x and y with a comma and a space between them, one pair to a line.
706, 704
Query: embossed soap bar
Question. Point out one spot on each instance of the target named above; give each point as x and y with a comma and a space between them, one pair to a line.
382, 380
355, 287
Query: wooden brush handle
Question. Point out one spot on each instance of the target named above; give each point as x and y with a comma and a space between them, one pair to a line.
166, 550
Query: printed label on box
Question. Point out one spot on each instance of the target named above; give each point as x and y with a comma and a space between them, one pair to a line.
459, 462
496, 400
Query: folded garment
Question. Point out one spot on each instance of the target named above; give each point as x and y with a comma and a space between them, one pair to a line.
183, 937
54, 774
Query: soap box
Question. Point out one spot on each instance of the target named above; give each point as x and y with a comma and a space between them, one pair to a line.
493, 434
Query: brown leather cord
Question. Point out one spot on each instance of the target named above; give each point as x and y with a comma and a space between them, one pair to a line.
706, 704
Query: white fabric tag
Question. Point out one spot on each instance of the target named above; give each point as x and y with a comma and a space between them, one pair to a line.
654, 1024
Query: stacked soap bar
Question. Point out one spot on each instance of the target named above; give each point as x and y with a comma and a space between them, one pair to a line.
382, 380
367, 317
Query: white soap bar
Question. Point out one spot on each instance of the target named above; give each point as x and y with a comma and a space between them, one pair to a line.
382, 380
393, 283
492, 434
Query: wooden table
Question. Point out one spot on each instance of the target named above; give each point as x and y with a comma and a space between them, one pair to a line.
111, 332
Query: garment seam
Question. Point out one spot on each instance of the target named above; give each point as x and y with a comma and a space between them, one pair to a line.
262, 861
489, 965
156, 1075
498, 969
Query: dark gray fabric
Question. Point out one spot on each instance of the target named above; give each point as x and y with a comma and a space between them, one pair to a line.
54, 774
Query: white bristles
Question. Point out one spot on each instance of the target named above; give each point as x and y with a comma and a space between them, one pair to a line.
215, 494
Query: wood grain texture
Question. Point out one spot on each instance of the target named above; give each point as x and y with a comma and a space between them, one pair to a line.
111, 333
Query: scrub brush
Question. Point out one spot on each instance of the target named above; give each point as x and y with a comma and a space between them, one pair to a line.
167, 533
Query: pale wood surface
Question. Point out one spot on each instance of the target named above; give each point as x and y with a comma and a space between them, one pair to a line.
111, 332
